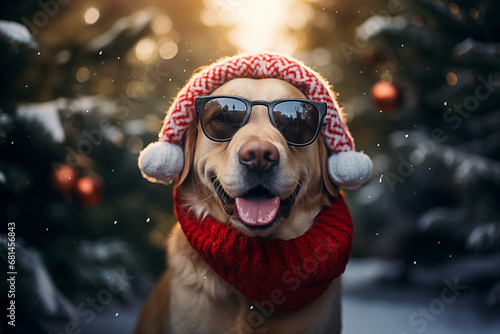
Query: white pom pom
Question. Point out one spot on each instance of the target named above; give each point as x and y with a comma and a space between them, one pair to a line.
349, 169
161, 162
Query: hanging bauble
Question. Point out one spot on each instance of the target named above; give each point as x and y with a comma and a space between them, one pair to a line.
386, 96
63, 179
89, 190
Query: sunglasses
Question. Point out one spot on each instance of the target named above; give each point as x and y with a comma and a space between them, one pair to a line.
298, 120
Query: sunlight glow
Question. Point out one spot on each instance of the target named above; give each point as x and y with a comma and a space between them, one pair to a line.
260, 25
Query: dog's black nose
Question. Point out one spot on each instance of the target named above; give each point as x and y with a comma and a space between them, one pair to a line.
258, 155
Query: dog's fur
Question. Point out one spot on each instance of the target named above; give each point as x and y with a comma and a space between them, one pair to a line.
190, 297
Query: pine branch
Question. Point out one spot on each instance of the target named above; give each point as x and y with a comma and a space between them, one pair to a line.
469, 167
459, 24
485, 236
472, 52
16, 36
36, 284
494, 295
397, 32
124, 31
487, 123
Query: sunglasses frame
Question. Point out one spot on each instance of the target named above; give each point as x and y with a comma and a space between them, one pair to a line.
321, 107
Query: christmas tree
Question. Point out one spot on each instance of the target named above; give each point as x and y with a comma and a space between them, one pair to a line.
430, 117
83, 89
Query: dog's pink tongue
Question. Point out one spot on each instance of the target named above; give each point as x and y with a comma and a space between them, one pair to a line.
257, 210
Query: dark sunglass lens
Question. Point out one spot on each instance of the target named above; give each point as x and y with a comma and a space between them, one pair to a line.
297, 121
222, 117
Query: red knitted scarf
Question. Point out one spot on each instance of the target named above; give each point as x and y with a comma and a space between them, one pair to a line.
277, 275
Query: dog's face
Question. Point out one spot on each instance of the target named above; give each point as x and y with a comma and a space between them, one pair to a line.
256, 182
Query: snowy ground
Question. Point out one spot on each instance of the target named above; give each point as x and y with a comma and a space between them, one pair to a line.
374, 307
369, 306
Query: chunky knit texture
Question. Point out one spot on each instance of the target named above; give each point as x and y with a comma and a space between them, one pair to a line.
279, 275
181, 114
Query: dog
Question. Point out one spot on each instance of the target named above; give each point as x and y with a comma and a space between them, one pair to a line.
224, 174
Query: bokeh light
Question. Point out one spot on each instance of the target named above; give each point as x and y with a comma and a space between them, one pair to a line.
454, 9
167, 48
474, 13
134, 144
145, 48
91, 15
417, 20
161, 24
321, 56
135, 89
451, 79
83, 74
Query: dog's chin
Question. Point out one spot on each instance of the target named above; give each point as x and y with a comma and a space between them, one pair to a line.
248, 224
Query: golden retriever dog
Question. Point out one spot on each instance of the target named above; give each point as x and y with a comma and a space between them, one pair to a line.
184, 302
216, 180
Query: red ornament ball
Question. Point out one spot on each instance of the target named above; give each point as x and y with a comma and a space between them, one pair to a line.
63, 179
89, 190
386, 96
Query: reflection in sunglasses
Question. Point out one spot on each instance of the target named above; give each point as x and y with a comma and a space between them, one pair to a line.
299, 121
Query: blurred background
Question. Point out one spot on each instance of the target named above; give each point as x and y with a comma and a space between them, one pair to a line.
84, 86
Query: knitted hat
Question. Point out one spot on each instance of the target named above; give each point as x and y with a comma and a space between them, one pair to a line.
163, 160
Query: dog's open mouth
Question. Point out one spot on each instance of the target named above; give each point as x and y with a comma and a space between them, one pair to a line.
257, 208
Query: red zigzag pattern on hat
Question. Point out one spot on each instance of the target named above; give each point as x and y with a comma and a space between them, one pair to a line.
182, 112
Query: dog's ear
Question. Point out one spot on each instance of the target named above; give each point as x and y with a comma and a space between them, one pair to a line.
323, 155
189, 147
